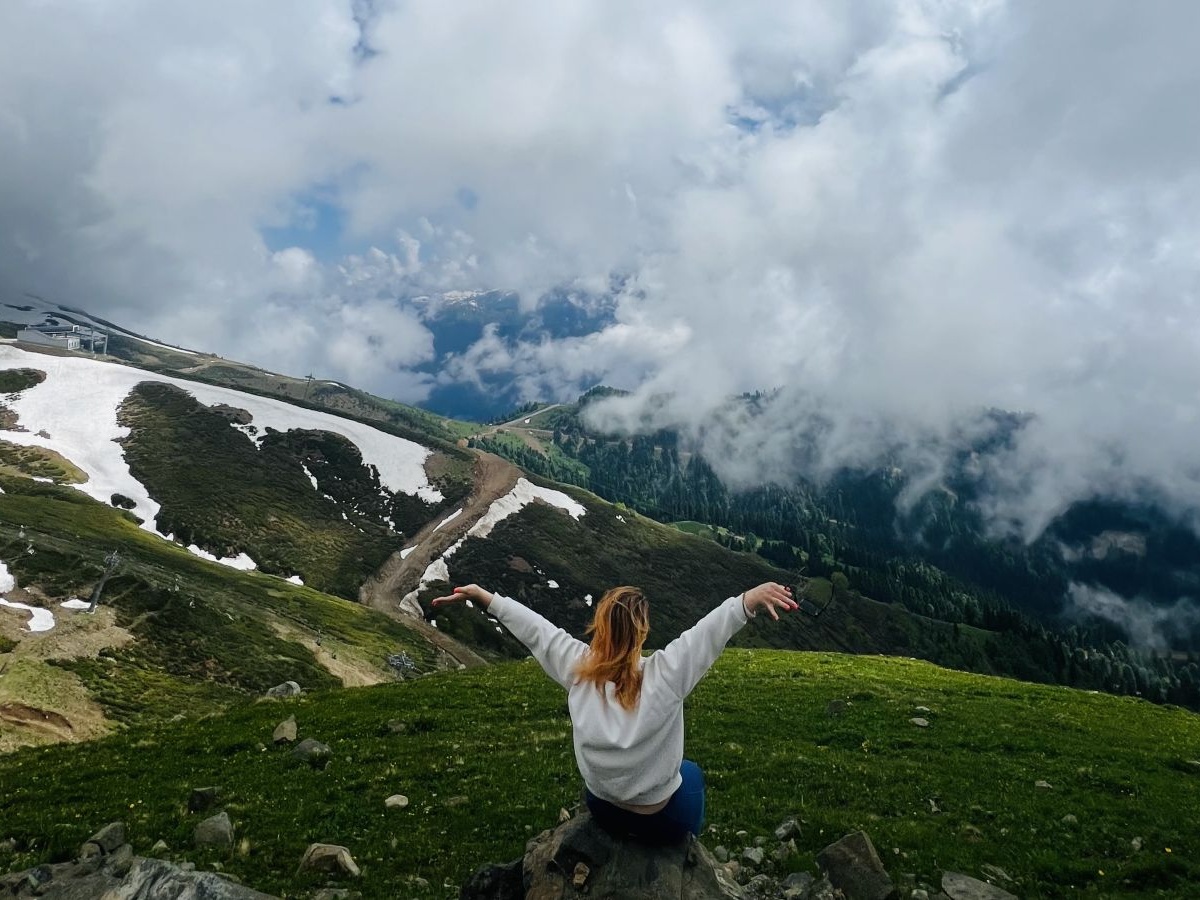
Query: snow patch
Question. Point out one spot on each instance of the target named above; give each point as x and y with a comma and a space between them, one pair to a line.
295, 579
450, 518
587, 599
7, 582
77, 404
311, 477
154, 343
436, 571
39, 619
241, 561
75, 603
406, 551
620, 518
552, 583
522, 494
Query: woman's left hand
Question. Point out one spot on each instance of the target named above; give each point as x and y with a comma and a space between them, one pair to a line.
769, 596
469, 592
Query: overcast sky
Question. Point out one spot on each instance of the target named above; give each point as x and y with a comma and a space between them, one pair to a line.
901, 212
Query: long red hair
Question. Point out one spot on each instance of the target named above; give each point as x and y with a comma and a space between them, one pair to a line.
618, 630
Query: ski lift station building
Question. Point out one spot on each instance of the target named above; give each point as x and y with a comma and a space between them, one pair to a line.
65, 337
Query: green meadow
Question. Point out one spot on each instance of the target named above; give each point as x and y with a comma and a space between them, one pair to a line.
485, 758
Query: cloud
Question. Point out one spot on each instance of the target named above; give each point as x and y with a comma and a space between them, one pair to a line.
900, 213
1148, 626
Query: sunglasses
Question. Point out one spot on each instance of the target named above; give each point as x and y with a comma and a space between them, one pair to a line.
808, 605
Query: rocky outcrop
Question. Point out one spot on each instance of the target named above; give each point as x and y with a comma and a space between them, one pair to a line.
106, 867
579, 859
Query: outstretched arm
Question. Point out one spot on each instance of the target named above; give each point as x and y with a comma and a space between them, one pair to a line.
555, 650
687, 658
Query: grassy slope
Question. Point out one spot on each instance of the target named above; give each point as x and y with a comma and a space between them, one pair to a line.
683, 575
219, 490
206, 635
486, 761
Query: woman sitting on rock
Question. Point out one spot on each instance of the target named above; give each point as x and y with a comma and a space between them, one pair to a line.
626, 709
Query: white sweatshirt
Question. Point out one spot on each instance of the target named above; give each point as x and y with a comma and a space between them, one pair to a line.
627, 756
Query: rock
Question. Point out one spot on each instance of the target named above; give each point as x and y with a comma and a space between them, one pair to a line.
721, 854
160, 846
922, 709
496, 882
110, 837
397, 726
761, 887
824, 890
1069, 820
285, 731
787, 830
285, 690
854, 868
1136, 844
797, 885
920, 722
1044, 785
753, 856
919, 894
334, 894
460, 800
784, 852
313, 752
995, 873
38, 876
121, 861
564, 815
203, 799
616, 869
396, 801
130, 878
964, 887
216, 831
329, 858
971, 834
835, 708
580, 876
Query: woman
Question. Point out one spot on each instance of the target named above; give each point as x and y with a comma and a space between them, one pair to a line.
626, 709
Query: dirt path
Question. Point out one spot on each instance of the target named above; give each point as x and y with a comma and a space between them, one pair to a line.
494, 477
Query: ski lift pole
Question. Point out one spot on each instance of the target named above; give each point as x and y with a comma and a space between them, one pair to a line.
111, 561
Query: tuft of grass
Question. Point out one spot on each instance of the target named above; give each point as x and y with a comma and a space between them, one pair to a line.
500, 738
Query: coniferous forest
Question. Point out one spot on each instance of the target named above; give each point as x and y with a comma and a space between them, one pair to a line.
933, 559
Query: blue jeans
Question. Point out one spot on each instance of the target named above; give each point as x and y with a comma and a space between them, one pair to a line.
683, 814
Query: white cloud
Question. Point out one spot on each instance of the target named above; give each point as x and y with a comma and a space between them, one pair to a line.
900, 211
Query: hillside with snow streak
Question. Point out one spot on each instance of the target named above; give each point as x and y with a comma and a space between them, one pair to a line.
74, 413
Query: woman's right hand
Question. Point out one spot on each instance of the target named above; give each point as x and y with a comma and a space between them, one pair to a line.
769, 596
469, 592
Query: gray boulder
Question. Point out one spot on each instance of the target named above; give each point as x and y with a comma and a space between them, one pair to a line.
580, 859
132, 878
106, 840
855, 869
285, 731
964, 887
215, 832
329, 858
285, 690
313, 752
